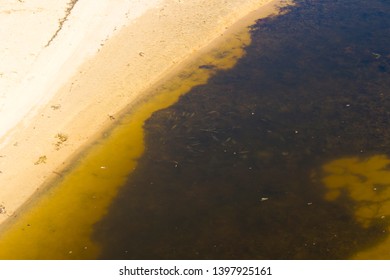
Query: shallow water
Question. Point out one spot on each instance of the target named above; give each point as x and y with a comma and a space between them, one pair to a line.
62, 219
285, 156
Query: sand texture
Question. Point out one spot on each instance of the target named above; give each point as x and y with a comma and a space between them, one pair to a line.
69, 68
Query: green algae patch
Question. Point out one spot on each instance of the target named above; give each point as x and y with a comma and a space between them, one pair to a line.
366, 181
60, 223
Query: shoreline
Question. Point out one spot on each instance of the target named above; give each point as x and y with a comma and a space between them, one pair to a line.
128, 65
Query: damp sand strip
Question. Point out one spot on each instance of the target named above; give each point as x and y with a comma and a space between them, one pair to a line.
59, 224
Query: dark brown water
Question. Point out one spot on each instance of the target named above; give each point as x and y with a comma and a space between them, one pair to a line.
234, 169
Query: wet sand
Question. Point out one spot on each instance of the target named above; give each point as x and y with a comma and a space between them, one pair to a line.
80, 82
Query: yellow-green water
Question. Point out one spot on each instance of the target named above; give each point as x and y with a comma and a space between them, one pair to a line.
59, 224
366, 181
285, 154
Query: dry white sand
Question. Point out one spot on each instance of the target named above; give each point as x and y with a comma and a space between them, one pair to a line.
67, 66
43, 43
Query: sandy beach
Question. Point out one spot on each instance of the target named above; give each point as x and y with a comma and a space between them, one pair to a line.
69, 69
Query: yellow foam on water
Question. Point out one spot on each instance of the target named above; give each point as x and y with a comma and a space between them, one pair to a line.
60, 224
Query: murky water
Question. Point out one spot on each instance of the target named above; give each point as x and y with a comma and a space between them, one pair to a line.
62, 219
283, 157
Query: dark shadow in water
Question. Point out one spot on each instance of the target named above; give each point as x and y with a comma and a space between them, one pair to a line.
227, 170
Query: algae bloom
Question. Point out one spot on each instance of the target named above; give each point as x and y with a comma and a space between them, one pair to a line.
365, 181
